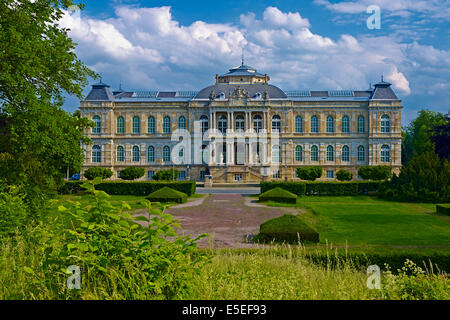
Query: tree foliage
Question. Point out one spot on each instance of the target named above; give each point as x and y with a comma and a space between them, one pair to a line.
344, 175
97, 172
310, 173
166, 175
132, 173
38, 68
375, 172
441, 139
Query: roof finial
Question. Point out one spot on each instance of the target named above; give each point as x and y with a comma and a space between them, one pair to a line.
120, 85
242, 56
382, 77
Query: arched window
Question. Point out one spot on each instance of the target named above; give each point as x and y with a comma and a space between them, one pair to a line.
182, 123
361, 124
96, 154
314, 153
276, 124
345, 124
385, 153
345, 154
136, 125
98, 124
223, 124
204, 122
298, 124
151, 125
314, 124
166, 125
330, 124
257, 123
298, 153
385, 124
330, 153
276, 154
151, 154
361, 153
120, 125
240, 123
136, 154
120, 154
166, 154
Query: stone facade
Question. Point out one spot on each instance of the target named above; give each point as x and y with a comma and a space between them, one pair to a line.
349, 129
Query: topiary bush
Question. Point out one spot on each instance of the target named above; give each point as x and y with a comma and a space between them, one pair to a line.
279, 195
97, 172
344, 175
166, 175
375, 172
310, 173
132, 173
287, 228
443, 209
167, 194
298, 188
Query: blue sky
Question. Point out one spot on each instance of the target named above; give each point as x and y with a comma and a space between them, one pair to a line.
320, 44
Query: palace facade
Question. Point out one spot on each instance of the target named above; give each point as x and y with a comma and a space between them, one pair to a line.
244, 129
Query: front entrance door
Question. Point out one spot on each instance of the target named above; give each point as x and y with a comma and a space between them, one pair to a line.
239, 154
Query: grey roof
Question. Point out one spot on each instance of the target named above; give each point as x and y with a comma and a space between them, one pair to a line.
252, 89
383, 91
243, 70
100, 92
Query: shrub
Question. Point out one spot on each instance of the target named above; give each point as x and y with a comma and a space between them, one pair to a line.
310, 173
443, 209
332, 188
298, 188
344, 175
97, 172
167, 194
375, 172
137, 188
166, 175
287, 228
279, 195
132, 173
13, 212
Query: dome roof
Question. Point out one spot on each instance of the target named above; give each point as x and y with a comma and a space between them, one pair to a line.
243, 70
251, 89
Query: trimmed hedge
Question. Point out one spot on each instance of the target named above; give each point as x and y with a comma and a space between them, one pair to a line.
124, 188
95, 172
167, 194
298, 188
324, 188
279, 195
375, 172
287, 228
443, 209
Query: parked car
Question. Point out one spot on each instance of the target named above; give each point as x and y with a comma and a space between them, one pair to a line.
75, 177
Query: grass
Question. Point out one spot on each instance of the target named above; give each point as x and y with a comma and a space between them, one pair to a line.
364, 220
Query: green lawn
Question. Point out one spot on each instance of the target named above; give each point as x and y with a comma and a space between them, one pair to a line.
365, 220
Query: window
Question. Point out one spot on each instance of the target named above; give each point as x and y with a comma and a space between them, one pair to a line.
361, 154
257, 123
276, 124
276, 174
182, 175
150, 175
221, 95
345, 154
276, 154
151, 125
345, 124
120, 154
181, 154
330, 153
120, 125
202, 175
223, 124
298, 154
204, 123
182, 123
330, 124
314, 153
96, 154
385, 153
258, 95
166, 125
136, 154
98, 124
240, 123
238, 177
136, 125
298, 124
330, 174
166, 154
151, 154
385, 124
314, 124
361, 124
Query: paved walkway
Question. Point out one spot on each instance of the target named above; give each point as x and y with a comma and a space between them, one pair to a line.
218, 190
227, 218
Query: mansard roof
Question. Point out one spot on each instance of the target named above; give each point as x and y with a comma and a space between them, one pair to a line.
383, 91
100, 92
225, 90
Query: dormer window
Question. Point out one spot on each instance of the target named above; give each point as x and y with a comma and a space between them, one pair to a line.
221, 95
258, 95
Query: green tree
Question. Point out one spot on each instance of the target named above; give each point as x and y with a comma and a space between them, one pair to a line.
344, 175
38, 67
97, 172
417, 135
310, 173
132, 173
375, 172
166, 175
